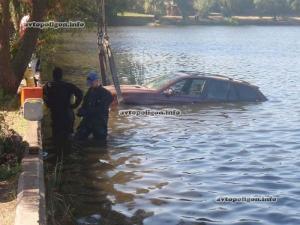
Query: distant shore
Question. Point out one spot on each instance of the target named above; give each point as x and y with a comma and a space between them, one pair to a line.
143, 20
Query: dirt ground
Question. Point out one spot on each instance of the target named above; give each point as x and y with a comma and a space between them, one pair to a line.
15, 121
8, 201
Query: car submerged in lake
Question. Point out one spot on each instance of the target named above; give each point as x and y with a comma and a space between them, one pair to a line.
189, 87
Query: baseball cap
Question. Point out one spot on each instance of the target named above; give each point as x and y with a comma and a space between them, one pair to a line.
91, 77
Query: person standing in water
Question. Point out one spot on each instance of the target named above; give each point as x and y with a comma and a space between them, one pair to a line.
58, 96
94, 110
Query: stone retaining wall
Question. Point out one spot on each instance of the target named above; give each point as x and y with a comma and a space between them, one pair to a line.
31, 209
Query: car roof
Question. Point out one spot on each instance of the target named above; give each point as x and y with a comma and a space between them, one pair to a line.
196, 74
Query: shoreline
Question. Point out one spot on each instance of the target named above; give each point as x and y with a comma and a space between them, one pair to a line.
210, 21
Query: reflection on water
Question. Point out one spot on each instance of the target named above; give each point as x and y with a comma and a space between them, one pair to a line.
174, 168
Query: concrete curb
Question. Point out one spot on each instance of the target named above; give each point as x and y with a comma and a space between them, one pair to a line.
31, 205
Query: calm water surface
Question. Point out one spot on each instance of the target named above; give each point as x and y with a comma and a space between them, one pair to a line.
174, 168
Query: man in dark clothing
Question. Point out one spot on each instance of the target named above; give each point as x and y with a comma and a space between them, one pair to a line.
94, 110
58, 96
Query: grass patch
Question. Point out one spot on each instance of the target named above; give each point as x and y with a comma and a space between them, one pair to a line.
7, 171
134, 14
59, 211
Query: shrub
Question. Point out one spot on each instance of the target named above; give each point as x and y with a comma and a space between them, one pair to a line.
12, 149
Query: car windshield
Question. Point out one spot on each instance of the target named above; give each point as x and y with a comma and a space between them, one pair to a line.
161, 81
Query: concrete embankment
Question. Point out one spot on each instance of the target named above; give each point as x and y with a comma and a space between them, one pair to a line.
31, 208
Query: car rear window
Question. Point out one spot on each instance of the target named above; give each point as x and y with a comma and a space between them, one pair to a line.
217, 90
247, 93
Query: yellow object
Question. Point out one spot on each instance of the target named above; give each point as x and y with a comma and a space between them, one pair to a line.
29, 77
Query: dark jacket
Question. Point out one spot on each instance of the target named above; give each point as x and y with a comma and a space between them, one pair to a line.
57, 96
95, 106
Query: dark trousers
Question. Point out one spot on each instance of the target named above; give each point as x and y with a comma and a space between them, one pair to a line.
62, 125
96, 127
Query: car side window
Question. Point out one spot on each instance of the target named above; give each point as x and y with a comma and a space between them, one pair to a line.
247, 93
197, 87
181, 87
217, 90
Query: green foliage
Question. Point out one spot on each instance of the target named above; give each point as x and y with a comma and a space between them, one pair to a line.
186, 7
272, 7
204, 7
86, 10
229, 7
59, 210
136, 6
4, 98
156, 7
244, 7
226, 7
8, 102
116, 6
231, 21
12, 149
6, 171
295, 5
63, 10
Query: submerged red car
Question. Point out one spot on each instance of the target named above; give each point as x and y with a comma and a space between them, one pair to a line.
190, 87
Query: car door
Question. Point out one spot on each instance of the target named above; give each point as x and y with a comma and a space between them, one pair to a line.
217, 90
188, 90
196, 90
176, 92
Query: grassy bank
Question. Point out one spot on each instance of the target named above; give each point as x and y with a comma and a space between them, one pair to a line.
12, 148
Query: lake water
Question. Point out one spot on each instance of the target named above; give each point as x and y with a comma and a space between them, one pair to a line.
174, 168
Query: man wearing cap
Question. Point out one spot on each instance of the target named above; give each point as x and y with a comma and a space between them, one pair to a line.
57, 97
94, 110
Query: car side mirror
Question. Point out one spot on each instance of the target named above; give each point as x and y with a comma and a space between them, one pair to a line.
169, 92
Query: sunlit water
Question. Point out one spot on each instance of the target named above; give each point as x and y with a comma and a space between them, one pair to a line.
176, 167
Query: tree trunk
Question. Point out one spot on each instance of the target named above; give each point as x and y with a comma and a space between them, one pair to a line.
7, 78
16, 14
29, 41
11, 71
